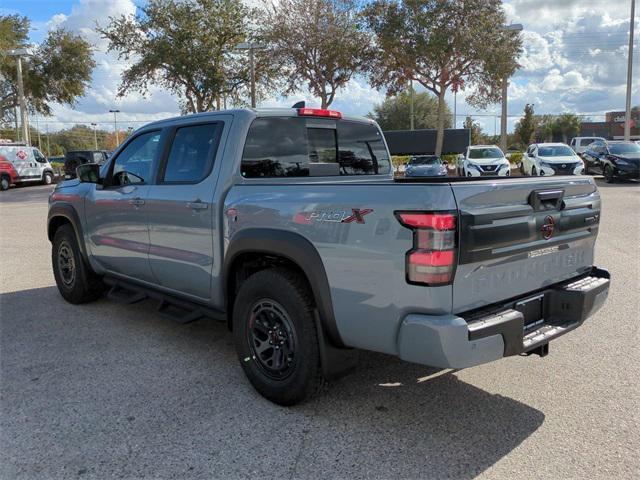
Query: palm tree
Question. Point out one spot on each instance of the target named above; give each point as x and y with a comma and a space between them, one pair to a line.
568, 125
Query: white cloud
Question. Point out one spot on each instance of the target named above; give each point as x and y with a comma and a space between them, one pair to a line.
574, 60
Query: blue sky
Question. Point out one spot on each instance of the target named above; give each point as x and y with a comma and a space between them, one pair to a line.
574, 60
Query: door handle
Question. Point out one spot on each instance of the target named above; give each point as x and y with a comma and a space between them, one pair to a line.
136, 202
197, 205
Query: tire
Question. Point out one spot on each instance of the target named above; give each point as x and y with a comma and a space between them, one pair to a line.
608, 174
533, 172
47, 178
76, 281
5, 183
276, 306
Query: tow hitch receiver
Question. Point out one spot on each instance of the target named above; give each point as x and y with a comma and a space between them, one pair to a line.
542, 351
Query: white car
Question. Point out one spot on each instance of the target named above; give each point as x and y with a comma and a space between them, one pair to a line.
484, 161
580, 144
546, 159
28, 165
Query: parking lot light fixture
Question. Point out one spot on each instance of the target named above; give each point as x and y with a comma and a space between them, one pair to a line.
514, 27
115, 125
251, 47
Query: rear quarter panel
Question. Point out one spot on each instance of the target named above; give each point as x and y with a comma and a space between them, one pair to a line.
364, 262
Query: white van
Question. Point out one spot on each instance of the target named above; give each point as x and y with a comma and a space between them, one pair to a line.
29, 164
580, 144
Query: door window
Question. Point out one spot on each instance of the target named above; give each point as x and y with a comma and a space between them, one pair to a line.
134, 164
192, 154
39, 157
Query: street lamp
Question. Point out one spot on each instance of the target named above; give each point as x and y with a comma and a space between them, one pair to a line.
95, 135
514, 27
251, 47
627, 115
115, 124
19, 53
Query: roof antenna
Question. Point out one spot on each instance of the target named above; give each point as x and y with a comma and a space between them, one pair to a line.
299, 104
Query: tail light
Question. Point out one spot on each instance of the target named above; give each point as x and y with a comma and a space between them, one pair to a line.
318, 112
432, 259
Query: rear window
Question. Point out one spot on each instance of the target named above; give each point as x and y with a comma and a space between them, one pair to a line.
312, 147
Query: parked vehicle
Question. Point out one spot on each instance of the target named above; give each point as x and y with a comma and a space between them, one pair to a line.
23, 165
547, 159
613, 159
425, 166
581, 144
288, 225
8, 174
483, 161
75, 158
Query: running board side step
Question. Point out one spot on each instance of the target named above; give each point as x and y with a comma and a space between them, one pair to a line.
178, 314
119, 294
171, 307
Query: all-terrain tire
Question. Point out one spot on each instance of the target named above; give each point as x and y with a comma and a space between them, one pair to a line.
274, 318
76, 281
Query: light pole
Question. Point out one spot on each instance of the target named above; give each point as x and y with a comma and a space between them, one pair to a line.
252, 47
19, 53
411, 113
115, 125
627, 116
515, 27
95, 135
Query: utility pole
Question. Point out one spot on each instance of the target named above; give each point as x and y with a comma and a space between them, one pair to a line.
455, 108
115, 125
95, 135
252, 47
19, 53
516, 27
411, 114
627, 115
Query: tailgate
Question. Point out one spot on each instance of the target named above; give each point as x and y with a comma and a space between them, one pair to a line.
521, 235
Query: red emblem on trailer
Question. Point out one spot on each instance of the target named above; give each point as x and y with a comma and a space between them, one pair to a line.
21, 154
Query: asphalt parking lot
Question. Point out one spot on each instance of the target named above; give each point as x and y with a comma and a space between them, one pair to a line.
109, 390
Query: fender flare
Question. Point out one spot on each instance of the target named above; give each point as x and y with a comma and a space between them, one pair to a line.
69, 213
299, 250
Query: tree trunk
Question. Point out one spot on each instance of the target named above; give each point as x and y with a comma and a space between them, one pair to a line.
440, 134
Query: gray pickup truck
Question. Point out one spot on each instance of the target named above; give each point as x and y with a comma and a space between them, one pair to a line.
288, 225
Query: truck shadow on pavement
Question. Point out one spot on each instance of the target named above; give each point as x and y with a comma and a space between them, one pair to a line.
117, 390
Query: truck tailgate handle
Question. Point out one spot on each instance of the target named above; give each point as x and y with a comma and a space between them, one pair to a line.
197, 205
546, 199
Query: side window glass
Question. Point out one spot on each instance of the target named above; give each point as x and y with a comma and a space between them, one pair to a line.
361, 149
276, 147
134, 163
192, 153
38, 156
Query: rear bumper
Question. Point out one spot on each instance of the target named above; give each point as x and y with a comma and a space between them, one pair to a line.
460, 341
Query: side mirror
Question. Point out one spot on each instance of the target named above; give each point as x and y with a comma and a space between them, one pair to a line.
88, 173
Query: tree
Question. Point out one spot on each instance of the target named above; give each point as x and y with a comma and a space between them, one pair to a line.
476, 131
58, 71
526, 126
187, 47
394, 112
317, 42
443, 44
568, 125
546, 127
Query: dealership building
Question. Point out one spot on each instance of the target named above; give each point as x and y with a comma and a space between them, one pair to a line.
613, 126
